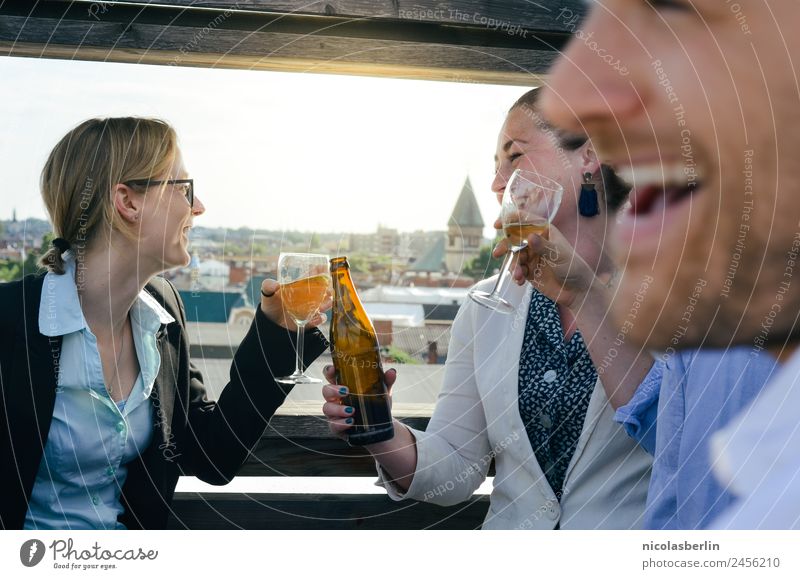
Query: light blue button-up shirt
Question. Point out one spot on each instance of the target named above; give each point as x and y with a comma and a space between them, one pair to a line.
91, 438
682, 402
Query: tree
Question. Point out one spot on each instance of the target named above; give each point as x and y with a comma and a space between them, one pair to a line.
10, 271
358, 263
13, 270
395, 355
31, 264
484, 265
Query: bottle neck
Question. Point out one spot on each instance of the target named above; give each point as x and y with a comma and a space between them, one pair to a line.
347, 304
343, 288
339, 263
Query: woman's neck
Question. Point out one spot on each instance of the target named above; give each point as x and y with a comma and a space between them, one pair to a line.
108, 284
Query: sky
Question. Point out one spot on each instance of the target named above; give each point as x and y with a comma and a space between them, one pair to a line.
270, 150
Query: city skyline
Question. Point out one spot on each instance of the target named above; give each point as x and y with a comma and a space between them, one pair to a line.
371, 151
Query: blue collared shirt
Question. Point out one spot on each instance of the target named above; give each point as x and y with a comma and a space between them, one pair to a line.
693, 394
91, 438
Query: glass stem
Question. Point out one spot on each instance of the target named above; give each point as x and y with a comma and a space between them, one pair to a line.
299, 348
503, 271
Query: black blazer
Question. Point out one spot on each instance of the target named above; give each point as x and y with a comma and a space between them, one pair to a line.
192, 435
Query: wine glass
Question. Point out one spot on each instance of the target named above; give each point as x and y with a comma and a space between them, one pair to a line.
305, 282
530, 201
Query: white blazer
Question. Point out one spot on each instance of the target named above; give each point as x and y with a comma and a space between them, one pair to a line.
477, 419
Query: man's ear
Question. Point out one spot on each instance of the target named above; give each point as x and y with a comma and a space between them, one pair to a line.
127, 203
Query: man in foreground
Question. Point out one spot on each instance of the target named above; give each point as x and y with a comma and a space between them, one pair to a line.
705, 127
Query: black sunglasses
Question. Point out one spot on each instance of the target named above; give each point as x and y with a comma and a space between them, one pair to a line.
189, 186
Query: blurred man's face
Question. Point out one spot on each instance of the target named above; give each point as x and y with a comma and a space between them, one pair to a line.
706, 126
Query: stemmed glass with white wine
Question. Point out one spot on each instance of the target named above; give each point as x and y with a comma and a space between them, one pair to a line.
530, 202
305, 283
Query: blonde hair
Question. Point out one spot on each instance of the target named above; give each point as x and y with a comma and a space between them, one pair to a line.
82, 169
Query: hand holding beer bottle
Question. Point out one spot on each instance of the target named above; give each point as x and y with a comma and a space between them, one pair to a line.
397, 455
339, 413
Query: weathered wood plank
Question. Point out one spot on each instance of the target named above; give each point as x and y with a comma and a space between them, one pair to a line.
314, 426
213, 351
281, 511
295, 65
307, 457
250, 34
290, 450
550, 15
303, 446
206, 21
300, 43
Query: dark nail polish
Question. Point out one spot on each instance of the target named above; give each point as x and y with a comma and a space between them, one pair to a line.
349, 421
349, 409
342, 390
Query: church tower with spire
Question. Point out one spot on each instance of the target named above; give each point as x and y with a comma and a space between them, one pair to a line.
464, 231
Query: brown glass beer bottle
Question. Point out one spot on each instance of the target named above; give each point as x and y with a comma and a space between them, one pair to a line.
357, 359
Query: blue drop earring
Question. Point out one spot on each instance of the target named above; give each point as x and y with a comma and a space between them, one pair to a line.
587, 203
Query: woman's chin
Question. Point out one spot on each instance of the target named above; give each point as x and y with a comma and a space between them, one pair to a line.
181, 258
183, 263
187, 258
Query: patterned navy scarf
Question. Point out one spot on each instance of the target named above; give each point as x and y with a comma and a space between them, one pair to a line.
556, 381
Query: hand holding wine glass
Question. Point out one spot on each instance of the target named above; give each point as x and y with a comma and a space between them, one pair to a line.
530, 202
555, 269
305, 285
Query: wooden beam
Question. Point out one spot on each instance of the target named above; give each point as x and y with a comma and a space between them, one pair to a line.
318, 511
175, 35
297, 65
303, 446
505, 15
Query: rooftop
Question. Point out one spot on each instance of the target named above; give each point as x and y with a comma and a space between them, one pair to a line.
437, 296
466, 213
433, 260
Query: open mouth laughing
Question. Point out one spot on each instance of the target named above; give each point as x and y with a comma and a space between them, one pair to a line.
660, 202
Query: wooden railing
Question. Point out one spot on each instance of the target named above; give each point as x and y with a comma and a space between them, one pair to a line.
300, 446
